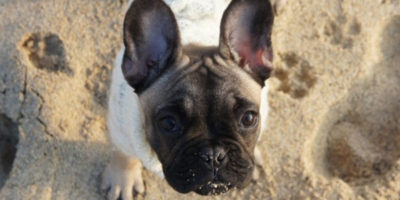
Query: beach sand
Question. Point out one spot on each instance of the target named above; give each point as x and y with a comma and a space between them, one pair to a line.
333, 128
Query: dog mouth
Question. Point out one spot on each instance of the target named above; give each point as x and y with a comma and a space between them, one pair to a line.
202, 182
213, 187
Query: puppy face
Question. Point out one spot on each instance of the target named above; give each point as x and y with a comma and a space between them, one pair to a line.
203, 124
200, 105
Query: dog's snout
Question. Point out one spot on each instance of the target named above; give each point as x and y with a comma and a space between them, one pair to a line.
213, 156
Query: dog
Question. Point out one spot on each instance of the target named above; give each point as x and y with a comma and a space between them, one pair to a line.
191, 114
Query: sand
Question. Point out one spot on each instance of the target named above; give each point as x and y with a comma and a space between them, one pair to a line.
333, 128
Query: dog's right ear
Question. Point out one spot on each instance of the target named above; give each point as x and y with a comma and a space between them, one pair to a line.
151, 40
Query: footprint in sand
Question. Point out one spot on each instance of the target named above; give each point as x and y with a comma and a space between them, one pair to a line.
361, 139
46, 51
97, 83
297, 76
8, 146
341, 31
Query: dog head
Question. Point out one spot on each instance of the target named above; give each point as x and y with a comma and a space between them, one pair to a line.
200, 104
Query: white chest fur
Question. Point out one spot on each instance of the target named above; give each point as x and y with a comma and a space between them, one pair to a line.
125, 121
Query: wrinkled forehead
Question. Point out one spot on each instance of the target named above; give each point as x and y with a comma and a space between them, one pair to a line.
204, 79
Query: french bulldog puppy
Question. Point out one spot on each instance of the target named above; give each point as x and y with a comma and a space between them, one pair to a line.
191, 114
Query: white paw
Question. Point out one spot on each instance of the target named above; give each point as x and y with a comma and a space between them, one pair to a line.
121, 176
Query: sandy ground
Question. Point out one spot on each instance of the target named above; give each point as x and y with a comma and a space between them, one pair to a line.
334, 124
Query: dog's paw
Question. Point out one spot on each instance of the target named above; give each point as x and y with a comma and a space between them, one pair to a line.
121, 176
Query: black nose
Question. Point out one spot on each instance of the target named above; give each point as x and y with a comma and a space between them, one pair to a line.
213, 156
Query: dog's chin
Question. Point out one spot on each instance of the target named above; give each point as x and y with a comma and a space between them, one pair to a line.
213, 188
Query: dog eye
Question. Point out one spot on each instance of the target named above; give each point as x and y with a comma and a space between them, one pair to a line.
169, 124
249, 119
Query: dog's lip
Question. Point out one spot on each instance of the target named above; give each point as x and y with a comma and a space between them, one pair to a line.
213, 187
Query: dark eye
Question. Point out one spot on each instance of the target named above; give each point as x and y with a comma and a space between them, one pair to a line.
169, 124
249, 119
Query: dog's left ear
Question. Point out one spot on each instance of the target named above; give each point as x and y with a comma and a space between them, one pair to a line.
246, 36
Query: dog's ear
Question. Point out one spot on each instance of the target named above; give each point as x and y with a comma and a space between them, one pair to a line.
246, 36
151, 40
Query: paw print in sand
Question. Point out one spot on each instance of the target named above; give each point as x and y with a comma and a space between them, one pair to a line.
46, 51
297, 76
341, 32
